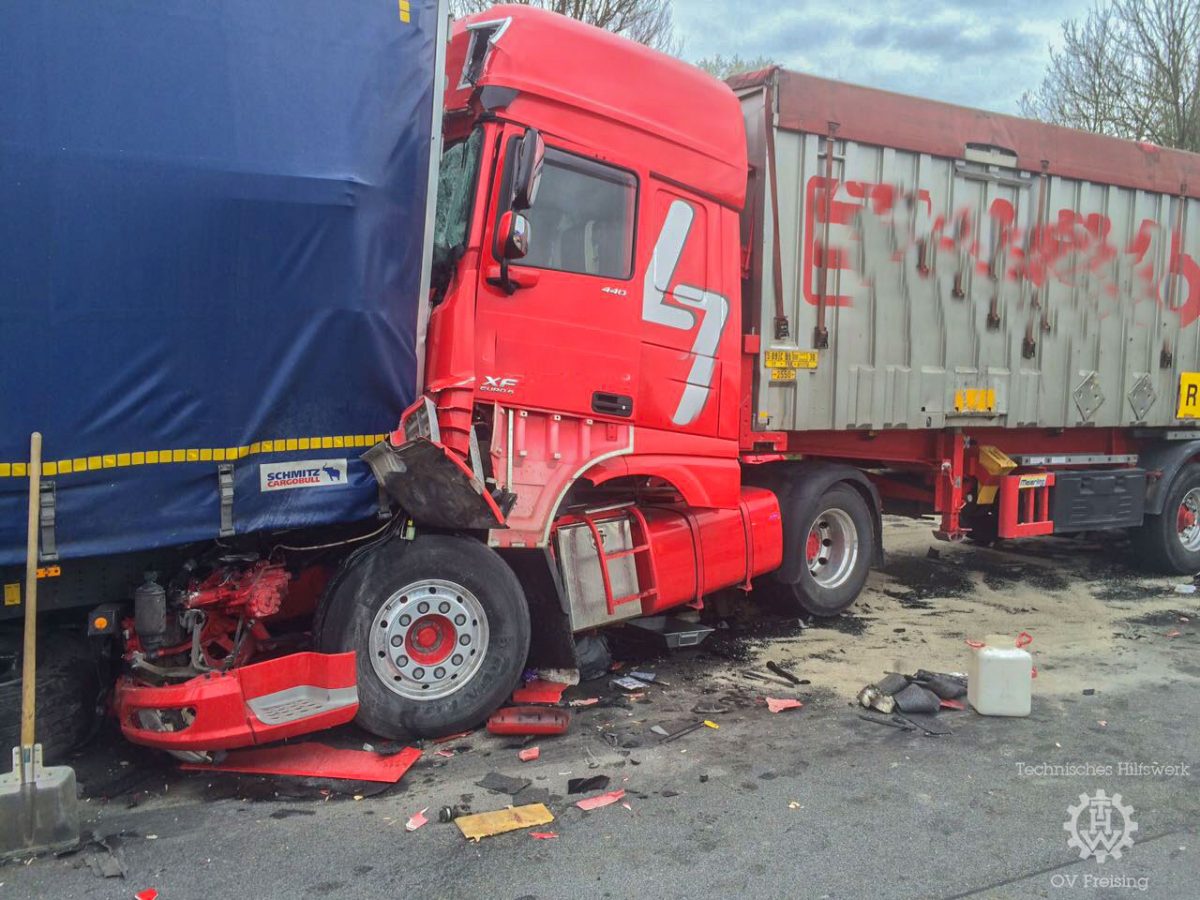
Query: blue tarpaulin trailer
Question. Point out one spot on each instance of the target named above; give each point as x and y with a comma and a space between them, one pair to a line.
213, 260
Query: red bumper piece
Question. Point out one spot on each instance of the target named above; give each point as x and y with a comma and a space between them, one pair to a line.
313, 760
255, 704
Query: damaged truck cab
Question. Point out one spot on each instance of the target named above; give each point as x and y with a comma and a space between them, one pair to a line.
582, 403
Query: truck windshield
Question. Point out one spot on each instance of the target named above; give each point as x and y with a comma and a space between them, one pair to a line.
456, 189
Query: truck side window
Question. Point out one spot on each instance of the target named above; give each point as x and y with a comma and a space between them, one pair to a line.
583, 218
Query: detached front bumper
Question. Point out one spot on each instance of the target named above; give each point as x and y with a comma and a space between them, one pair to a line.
255, 704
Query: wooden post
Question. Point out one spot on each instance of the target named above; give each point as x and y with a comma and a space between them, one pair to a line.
29, 660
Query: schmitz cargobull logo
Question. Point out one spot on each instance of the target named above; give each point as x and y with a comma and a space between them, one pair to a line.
302, 473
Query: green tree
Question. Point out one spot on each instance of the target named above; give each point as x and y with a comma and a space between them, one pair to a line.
1129, 69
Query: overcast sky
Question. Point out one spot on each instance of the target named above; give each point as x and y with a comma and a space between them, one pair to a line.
983, 53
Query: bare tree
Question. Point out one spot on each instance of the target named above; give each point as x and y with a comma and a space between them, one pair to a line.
648, 22
726, 66
1130, 69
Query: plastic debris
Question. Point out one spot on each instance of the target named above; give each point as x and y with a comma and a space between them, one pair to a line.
313, 760
583, 785
503, 784
529, 754
601, 800
586, 701
659, 730
447, 738
447, 754
500, 821
522, 720
1174, 633
538, 691
952, 704
779, 704
648, 677
629, 683
416, 820
147, 894
544, 835
713, 725
1185, 589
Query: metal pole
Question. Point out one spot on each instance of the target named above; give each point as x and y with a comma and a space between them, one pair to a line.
29, 659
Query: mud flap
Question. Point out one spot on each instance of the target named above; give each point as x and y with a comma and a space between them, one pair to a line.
433, 486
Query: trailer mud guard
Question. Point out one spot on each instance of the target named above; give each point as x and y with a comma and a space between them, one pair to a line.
1165, 459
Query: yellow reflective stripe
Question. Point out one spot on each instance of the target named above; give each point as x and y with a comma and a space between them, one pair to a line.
189, 454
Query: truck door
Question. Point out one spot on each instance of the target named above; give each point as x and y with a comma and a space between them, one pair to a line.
687, 320
566, 338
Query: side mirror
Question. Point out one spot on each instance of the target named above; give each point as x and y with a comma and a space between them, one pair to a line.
531, 153
512, 237
511, 242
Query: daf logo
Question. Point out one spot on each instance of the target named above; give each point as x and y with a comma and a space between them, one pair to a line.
494, 385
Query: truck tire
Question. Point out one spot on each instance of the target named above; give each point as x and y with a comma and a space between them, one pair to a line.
837, 547
1170, 543
68, 687
441, 631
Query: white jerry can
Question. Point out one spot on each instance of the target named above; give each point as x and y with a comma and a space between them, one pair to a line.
1000, 676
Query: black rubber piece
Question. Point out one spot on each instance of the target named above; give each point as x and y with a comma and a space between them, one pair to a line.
1156, 541
393, 565
68, 688
811, 597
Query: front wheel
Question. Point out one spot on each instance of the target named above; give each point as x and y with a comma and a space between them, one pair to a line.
1170, 542
837, 545
441, 632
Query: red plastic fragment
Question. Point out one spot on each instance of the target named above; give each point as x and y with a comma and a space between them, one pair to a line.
777, 704
952, 704
147, 894
544, 835
529, 754
601, 800
312, 760
529, 720
538, 691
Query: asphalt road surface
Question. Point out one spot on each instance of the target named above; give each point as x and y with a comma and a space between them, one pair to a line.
813, 802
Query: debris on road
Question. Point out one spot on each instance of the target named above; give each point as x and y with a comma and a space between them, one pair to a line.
659, 730
529, 754
586, 701
569, 677
889, 722
674, 735
953, 704
782, 672
500, 821
416, 820
779, 704
503, 784
601, 800
1185, 589
544, 835
448, 814
313, 760
629, 683
538, 691
872, 697
583, 785
523, 720
447, 738
916, 699
147, 894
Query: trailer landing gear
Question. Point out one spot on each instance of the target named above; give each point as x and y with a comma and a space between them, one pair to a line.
441, 629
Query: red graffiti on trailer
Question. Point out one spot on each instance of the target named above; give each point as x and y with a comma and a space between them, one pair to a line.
1070, 248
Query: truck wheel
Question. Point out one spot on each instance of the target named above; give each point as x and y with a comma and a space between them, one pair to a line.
441, 632
1170, 542
837, 549
68, 687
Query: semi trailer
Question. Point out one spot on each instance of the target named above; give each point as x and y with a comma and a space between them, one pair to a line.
673, 336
